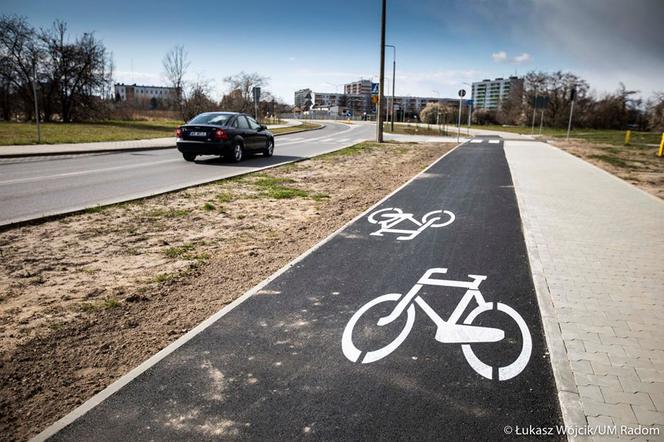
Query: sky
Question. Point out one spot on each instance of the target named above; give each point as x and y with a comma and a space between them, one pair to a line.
441, 44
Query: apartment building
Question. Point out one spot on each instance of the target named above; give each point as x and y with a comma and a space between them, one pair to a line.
135, 92
303, 99
490, 94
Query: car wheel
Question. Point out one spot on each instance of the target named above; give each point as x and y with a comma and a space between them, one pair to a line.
269, 149
237, 153
189, 156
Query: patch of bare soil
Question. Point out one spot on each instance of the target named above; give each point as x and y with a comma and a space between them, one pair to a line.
85, 298
637, 165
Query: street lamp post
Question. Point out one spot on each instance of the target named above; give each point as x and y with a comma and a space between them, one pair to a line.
34, 93
394, 80
381, 80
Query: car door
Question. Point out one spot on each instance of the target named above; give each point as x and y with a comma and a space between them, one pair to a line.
260, 137
245, 132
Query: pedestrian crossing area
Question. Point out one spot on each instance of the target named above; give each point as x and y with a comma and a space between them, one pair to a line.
482, 140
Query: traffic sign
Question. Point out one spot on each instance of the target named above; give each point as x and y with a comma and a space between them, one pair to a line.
374, 99
257, 94
462, 93
374, 88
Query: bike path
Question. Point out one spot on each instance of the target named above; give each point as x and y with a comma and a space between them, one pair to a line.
273, 367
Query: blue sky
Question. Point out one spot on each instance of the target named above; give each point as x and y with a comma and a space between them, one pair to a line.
323, 44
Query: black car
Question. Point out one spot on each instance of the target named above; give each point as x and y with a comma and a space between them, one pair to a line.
228, 134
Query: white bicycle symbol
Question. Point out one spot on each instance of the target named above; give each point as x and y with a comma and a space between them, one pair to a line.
391, 217
448, 332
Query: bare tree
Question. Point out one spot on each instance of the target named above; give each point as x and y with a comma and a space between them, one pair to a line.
198, 98
175, 65
76, 70
243, 83
20, 58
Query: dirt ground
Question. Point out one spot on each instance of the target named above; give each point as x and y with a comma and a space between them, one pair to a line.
85, 298
637, 165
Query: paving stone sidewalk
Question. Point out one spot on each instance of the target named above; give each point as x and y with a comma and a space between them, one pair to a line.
596, 245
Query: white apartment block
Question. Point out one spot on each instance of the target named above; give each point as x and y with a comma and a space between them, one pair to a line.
490, 94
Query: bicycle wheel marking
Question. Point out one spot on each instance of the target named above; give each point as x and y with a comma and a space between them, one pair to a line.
390, 219
450, 331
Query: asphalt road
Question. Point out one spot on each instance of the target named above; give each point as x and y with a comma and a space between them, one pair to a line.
32, 188
305, 357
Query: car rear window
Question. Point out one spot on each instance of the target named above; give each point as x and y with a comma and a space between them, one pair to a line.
211, 119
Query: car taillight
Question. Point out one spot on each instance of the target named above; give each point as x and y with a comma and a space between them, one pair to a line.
178, 132
220, 135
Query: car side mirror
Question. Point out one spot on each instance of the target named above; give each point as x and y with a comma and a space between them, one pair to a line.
262, 128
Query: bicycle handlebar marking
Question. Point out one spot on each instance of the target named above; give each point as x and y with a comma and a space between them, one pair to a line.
390, 218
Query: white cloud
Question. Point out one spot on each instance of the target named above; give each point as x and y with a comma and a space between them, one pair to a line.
502, 57
522, 58
499, 57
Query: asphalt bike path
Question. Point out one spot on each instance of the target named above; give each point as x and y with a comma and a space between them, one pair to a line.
417, 321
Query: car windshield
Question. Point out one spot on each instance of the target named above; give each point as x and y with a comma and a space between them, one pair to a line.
213, 118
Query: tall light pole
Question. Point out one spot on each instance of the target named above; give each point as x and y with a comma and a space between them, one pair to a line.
437, 109
381, 79
394, 80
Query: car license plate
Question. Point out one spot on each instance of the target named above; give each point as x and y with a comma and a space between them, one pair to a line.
198, 134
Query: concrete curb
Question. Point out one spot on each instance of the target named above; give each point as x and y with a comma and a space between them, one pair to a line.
568, 394
121, 149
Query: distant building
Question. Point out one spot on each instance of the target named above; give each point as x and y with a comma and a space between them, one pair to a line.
134, 92
303, 99
361, 87
490, 94
356, 100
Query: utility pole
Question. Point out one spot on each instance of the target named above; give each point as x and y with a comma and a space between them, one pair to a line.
34, 93
532, 129
394, 80
381, 79
572, 96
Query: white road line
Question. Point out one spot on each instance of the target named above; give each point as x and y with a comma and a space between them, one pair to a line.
83, 172
327, 140
307, 140
475, 140
494, 141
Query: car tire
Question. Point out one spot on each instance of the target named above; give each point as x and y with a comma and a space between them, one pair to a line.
269, 149
188, 156
237, 153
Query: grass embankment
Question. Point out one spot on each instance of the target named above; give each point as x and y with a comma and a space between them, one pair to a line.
406, 129
56, 133
292, 129
596, 136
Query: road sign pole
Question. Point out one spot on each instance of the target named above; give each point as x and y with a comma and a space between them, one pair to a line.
459, 121
569, 123
381, 80
541, 121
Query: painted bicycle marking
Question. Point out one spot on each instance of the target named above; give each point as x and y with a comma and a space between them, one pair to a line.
452, 331
388, 220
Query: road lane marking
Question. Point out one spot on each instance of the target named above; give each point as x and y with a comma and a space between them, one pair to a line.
317, 138
447, 332
494, 141
83, 172
475, 140
389, 218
